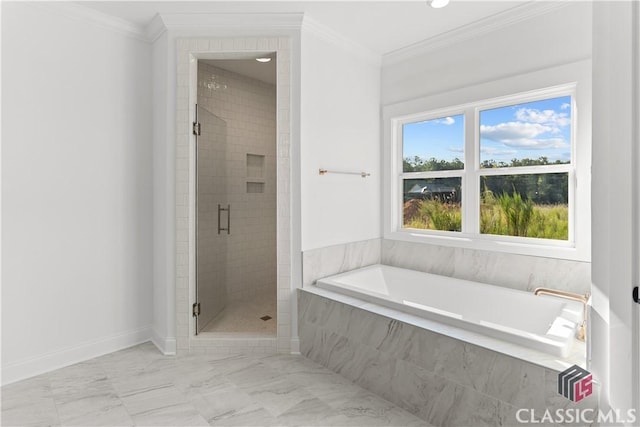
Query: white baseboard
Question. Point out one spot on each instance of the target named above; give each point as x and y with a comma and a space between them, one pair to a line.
166, 345
295, 345
31, 367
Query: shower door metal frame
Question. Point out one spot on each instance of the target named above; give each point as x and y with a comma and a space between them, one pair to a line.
196, 130
196, 306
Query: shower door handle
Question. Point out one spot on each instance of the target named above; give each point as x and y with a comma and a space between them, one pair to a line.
228, 210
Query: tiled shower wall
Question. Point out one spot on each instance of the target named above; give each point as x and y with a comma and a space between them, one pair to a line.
245, 110
211, 247
186, 49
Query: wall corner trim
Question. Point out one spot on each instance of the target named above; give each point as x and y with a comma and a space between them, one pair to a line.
166, 345
295, 345
475, 29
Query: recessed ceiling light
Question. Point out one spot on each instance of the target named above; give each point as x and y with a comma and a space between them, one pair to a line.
437, 4
265, 59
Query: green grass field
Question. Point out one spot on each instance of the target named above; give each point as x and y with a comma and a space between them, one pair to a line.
546, 222
507, 215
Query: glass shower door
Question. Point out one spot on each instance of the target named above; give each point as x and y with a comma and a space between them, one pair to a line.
211, 219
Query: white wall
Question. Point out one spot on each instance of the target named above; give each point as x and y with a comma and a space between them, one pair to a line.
340, 130
164, 249
616, 97
76, 190
559, 37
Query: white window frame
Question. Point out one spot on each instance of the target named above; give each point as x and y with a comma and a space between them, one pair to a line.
573, 80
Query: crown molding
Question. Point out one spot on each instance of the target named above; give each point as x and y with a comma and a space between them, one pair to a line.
240, 23
155, 28
224, 23
329, 35
474, 29
91, 16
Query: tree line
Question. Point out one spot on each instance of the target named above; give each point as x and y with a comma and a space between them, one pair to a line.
541, 189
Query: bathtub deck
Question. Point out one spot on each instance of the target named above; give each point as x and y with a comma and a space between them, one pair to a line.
418, 365
504, 314
577, 353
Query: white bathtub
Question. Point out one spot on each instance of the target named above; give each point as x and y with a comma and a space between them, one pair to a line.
542, 323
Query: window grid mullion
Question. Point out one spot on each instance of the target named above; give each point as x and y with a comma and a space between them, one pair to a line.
526, 170
470, 193
432, 174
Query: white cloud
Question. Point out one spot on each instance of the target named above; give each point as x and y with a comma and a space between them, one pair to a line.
493, 151
546, 117
513, 130
522, 135
565, 106
446, 121
456, 149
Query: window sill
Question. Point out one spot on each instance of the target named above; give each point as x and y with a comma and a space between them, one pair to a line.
555, 250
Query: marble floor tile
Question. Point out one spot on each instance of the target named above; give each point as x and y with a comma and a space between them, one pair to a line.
309, 412
279, 395
30, 412
32, 388
29, 403
224, 402
84, 396
165, 405
368, 409
332, 389
199, 379
258, 417
95, 410
171, 415
252, 374
222, 365
139, 386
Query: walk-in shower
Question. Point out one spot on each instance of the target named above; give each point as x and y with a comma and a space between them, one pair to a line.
235, 204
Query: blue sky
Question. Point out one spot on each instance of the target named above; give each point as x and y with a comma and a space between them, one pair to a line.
528, 130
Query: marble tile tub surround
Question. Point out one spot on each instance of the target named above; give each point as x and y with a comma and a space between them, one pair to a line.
444, 381
323, 262
521, 272
576, 355
140, 386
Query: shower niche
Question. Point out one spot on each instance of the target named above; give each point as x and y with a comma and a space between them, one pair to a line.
255, 173
236, 272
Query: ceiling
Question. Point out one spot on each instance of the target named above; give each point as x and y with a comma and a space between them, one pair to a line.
263, 71
379, 26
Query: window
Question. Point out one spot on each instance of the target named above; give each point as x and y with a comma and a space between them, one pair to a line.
432, 173
500, 173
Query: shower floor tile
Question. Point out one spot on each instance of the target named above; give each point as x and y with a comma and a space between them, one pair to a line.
246, 316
